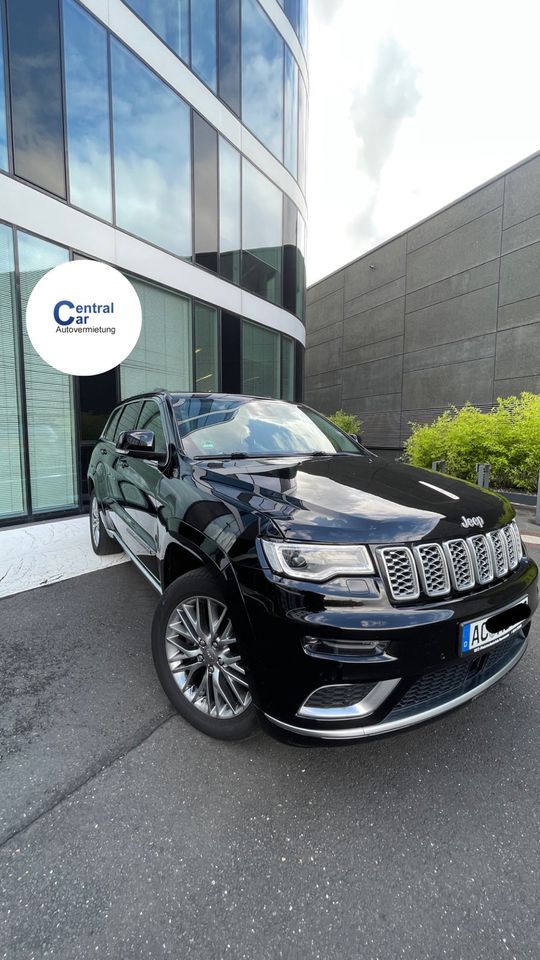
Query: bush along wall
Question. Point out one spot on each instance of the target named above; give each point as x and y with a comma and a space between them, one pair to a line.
508, 437
346, 421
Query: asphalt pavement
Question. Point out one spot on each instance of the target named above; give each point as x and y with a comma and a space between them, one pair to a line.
126, 833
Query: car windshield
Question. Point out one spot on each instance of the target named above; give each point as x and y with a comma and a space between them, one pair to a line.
233, 427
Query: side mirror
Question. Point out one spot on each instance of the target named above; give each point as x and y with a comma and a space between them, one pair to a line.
138, 443
356, 437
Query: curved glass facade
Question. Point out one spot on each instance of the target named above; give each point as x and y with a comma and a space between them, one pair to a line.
214, 235
235, 46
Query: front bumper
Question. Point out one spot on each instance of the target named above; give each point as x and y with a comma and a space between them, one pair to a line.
306, 637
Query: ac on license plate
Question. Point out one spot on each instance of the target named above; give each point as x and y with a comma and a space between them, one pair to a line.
475, 635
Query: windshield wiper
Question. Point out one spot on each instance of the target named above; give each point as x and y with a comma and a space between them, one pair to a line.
241, 455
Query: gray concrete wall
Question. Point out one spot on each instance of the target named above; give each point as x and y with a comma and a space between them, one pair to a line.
446, 313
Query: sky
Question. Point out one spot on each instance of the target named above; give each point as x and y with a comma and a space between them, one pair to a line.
412, 104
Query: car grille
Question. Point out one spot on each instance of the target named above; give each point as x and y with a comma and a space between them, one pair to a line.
460, 564
448, 683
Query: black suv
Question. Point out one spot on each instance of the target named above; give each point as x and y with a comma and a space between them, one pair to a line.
304, 581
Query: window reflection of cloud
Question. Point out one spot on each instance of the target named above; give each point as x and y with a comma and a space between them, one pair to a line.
169, 19
229, 199
87, 102
152, 156
262, 77
262, 210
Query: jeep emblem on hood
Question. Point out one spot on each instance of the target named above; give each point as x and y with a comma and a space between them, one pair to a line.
472, 522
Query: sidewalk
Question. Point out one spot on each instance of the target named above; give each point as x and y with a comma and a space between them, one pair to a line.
41, 553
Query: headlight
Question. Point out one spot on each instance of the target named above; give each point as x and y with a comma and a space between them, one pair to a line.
316, 561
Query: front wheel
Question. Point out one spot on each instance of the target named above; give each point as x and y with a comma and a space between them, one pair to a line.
197, 658
102, 543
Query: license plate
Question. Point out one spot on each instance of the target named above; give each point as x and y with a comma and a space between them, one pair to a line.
476, 635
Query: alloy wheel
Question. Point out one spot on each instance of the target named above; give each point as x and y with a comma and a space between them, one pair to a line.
204, 660
95, 519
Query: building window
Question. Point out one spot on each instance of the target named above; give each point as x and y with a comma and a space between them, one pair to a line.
12, 487
262, 219
152, 155
203, 41
302, 133
301, 269
162, 357
205, 199
260, 361
296, 11
287, 369
49, 396
290, 254
206, 349
291, 114
87, 108
169, 19
229, 53
303, 23
262, 77
231, 347
3, 122
230, 228
36, 93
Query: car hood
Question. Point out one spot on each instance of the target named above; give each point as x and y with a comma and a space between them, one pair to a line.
352, 499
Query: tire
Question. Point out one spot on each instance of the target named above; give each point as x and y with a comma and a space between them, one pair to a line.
102, 543
197, 659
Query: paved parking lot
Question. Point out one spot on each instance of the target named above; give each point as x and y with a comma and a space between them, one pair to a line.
125, 833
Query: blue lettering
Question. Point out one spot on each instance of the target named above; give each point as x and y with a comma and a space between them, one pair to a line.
63, 303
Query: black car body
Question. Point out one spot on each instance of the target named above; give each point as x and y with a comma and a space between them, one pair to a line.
344, 656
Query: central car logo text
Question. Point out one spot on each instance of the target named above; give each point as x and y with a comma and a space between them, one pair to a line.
83, 311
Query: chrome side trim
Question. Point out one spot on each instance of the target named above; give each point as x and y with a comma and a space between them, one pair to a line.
358, 733
362, 708
146, 573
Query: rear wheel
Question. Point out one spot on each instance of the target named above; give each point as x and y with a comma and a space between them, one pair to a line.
197, 658
102, 543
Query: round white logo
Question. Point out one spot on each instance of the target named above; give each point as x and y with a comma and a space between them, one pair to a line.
83, 317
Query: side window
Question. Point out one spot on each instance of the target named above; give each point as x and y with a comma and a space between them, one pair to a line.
128, 418
108, 433
150, 419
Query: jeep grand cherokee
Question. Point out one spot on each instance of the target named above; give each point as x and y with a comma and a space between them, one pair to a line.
305, 582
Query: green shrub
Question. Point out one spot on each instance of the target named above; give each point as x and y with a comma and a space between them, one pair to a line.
346, 422
508, 437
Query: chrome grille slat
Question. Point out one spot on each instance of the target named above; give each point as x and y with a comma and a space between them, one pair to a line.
497, 543
511, 547
433, 569
517, 538
401, 572
481, 557
460, 564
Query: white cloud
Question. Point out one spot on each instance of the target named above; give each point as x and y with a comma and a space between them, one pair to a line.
411, 105
325, 9
379, 109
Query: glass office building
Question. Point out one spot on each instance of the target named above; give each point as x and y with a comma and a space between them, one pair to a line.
167, 138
